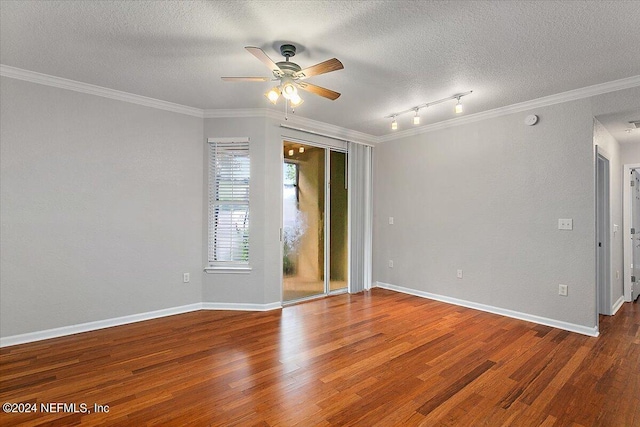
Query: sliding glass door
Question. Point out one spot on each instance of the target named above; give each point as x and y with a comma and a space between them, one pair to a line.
314, 232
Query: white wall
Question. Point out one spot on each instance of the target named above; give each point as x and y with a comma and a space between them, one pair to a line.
610, 148
630, 153
224, 287
101, 208
486, 198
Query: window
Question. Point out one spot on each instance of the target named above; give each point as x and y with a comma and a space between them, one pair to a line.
229, 176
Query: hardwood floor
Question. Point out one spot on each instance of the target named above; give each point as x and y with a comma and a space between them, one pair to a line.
378, 358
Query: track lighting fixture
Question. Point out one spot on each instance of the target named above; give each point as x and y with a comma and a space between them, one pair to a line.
291, 152
458, 108
301, 150
416, 109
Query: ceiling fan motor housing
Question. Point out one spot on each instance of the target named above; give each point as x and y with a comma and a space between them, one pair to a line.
288, 50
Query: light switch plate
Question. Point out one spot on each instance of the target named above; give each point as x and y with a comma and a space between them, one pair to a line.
391, 220
565, 224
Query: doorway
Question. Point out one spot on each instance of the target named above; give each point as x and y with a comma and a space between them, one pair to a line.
634, 288
603, 267
314, 221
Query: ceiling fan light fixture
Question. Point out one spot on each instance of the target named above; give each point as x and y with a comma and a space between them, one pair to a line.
295, 100
273, 95
289, 90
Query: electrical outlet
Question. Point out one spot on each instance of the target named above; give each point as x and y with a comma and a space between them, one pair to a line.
459, 274
563, 290
185, 278
390, 263
617, 274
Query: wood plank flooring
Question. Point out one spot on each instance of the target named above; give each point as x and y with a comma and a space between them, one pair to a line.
378, 358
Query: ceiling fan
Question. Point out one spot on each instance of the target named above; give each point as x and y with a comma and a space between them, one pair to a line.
291, 76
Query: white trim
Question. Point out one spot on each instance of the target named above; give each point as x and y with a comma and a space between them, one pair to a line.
241, 306
59, 82
617, 305
228, 270
339, 132
626, 228
545, 101
133, 318
228, 139
571, 327
336, 132
238, 113
92, 326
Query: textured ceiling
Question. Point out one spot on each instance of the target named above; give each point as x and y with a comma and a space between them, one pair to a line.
396, 54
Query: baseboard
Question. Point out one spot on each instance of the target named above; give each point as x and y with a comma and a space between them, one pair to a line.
617, 305
241, 306
92, 326
571, 327
117, 321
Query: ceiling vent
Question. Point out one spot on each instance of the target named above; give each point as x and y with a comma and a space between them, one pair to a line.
635, 124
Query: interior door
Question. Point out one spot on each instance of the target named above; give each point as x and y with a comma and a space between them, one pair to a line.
635, 236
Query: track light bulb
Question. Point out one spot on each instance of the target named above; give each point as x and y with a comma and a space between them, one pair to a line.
394, 124
416, 118
458, 107
291, 152
273, 95
301, 150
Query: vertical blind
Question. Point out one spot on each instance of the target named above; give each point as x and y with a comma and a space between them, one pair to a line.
360, 208
229, 177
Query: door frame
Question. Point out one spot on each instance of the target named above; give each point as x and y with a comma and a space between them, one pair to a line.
602, 235
626, 226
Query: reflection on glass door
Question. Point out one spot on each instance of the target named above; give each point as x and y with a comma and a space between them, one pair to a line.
303, 221
314, 221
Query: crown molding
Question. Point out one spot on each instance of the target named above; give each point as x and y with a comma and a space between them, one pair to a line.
294, 119
235, 113
337, 131
62, 83
571, 95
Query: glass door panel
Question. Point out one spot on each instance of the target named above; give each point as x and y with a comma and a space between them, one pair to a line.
337, 221
303, 221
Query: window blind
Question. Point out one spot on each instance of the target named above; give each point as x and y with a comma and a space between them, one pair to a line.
229, 178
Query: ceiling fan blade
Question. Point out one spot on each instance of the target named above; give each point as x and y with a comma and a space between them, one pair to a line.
246, 79
259, 53
318, 90
321, 68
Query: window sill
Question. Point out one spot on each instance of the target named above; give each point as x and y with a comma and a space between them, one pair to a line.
228, 270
